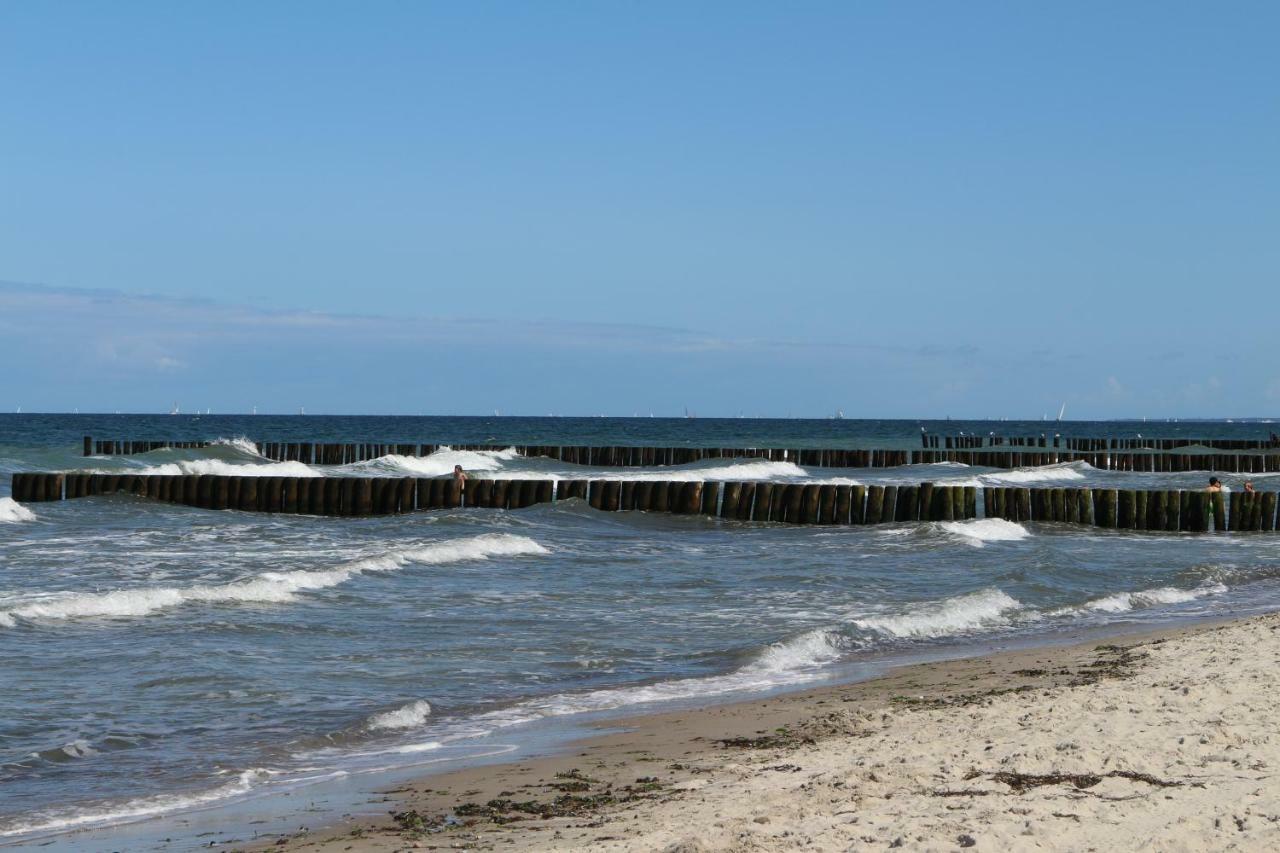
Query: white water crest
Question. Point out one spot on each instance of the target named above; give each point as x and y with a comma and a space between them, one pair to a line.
986, 608
405, 717
746, 469
1039, 474
268, 587
226, 469
239, 442
796, 660
979, 531
12, 512
62, 820
439, 463
1123, 602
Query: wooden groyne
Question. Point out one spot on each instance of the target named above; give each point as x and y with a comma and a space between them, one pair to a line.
1239, 461
1091, 445
791, 503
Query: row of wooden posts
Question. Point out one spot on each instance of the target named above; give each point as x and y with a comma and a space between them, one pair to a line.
794, 503
1090, 445
313, 453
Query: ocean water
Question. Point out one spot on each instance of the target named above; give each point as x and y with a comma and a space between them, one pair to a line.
162, 661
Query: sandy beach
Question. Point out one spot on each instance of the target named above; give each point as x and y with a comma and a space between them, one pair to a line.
1162, 741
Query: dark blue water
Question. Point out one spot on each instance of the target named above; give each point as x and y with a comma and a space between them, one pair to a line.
158, 658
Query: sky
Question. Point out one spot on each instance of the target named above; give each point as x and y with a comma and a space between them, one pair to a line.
898, 209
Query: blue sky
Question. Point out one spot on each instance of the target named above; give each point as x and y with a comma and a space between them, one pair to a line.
894, 209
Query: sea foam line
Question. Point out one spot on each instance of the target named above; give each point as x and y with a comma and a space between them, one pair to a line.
268, 587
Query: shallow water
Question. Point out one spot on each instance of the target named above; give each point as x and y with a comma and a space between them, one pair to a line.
159, 657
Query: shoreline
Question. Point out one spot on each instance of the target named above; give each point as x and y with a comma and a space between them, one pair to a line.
646, 781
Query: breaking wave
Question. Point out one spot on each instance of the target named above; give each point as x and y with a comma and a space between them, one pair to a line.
229, 469
983, 609
61, 821
266, 588
404, 717
1123, 602
439, 463
979, 531
12, 512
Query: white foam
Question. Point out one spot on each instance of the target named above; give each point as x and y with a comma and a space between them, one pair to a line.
1040, 474
59, 821
983, 609
979, 531
1123, 602
240, 442
405, 717
793, 661
441, 462
755, 469
228, 469
268, 587
12, 512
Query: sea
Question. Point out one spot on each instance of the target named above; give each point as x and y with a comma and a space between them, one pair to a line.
172, 677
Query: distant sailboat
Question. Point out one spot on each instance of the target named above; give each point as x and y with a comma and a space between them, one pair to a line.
1062, 411
174, 410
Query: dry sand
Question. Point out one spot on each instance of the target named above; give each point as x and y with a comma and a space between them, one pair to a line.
1159, 742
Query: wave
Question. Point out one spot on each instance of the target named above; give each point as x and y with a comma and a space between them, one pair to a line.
266, 588
12, 512
240, 442
792, 661
1040, 474
756, 469
979, 531
228, 469
61, 821
405, 717
439, 463
983, 609
1123, 602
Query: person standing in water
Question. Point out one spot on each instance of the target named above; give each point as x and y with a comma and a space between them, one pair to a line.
1214, 484
460, 477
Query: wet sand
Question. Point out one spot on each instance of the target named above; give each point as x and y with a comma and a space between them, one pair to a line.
1165, 740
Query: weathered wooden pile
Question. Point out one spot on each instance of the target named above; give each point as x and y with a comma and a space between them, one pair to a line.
790, 503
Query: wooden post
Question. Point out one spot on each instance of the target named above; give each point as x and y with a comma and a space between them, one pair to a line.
711, 496
746, 502
970, 501
480, 493
827, 504
812, 496
906, 504
1125, 516
612, 495
844, 504
1268, 511
875, 504
1173, 510
732, 497
204, 492
889, 507
691, 498
858, 505
924, 503
1219, 511
1023, 498
660, 501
